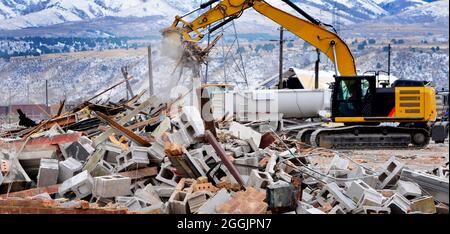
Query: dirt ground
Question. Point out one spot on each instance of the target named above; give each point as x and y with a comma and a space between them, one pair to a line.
433, 156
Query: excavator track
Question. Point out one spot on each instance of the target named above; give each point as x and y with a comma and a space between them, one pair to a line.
369, 137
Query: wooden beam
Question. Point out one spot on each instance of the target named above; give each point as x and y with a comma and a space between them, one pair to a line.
134, 137
102, 137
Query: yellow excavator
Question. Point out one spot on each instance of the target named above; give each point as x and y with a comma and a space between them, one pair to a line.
364, 108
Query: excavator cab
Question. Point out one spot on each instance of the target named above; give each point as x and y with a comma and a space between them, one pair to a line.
358, 100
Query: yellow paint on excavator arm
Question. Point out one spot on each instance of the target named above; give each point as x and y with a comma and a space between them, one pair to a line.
316, 35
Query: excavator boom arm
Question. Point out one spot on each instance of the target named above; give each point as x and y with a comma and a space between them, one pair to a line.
314, 33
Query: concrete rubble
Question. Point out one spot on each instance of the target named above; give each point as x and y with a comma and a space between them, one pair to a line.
137, 157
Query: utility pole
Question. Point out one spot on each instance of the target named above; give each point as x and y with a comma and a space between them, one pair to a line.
46, 93
317, 69
280, 69
389, 62
150, 71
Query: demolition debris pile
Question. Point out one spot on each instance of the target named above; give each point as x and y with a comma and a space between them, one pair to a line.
138, 157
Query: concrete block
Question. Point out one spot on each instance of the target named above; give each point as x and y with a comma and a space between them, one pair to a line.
425, 205
240, 131
245, 165
398, 204
122, 199
345, 202
281, 195
164, 191
1, 178
307, 197
165, 175
304, 208
282, 175
79, 151
178, 203
356, 190
111, 186
434, 185
371, 198
156, 151
111, 152
191, 120
80, 184
103, 168
197, 199
390, 173
68, 168
337, 210
197, 168
270, 168
408, 189
372, 181
48, 173
210, 206
372, 210
338, 163
136, 205
132, 159
259, 180
148, 194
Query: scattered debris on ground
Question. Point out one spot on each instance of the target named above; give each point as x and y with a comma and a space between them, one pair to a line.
138, 157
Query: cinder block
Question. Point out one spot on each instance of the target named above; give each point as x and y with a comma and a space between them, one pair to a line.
1, 178
103, 168
390, 173
398, 204
281, 195
111, 186
210, 206
435, 186
178, 203
356, 190
148, 194
48, 173
191, 121
79, 151
372, 210
338, 163
111, 152
408, 189
136, 204
242, 132
282, 175
165, 175
80, 184
245, 165
164, 190
371, 198
132, 160
156, 151
345, 202
270, 168
337, 210
68, 168
259, 180
197, 199
304, 208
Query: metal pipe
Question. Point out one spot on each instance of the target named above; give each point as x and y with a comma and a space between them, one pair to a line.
333, 45
223, 155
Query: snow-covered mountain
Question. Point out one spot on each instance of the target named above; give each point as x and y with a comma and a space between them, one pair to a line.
436, 12
20, 14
